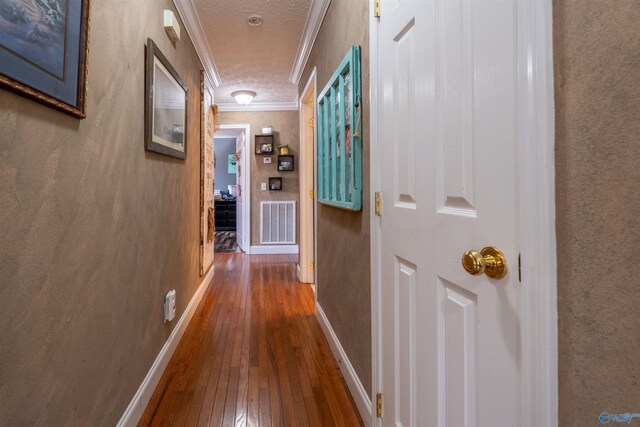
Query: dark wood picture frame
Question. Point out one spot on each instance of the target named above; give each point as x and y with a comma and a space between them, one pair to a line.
264, 140
73, 80
154, 142
275, 183
286, 163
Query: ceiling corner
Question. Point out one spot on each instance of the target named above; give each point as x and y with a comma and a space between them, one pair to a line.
316, 15
192, 24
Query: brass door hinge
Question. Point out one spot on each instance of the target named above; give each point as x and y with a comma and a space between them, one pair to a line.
379, 405
376, 9
312, 265
311, 194
378, 203
310, 122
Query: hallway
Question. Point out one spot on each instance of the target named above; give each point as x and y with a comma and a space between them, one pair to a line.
254, 354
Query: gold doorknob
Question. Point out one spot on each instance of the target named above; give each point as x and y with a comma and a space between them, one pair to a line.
489, 261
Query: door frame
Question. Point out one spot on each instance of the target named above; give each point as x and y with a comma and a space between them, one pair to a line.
308, 216
246, 183
536, 215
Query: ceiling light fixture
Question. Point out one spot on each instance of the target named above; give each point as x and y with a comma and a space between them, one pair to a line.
254, 20
243, 97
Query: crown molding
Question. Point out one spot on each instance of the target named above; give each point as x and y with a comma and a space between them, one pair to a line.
261, 106
192, 24
316, 15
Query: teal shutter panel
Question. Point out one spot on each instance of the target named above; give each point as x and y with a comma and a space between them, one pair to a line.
339, 136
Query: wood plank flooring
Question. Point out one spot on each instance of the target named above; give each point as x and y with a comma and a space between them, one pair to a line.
253, 355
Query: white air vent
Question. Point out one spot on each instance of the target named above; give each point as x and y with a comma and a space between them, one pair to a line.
278, 223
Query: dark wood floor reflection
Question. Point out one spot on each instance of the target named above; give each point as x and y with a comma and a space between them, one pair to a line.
253, 355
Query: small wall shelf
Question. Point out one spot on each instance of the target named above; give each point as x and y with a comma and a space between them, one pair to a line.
275, 183
286, 163
339, 138
264, 145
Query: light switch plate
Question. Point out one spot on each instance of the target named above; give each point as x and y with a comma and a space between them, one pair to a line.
263, 186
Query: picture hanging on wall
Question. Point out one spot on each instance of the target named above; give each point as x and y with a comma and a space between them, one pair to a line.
165, 106
285, 163
231, 164
264, 144
275, 183
43, 51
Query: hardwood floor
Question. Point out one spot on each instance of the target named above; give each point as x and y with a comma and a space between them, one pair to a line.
253, 355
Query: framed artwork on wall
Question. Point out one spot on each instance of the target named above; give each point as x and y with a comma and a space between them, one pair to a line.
43, 51
165, 124
264, 145
285, 163
275, 183
231, 164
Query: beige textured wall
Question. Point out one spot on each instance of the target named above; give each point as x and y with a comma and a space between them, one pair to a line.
286, 130
597, 94
344, 279
94, 231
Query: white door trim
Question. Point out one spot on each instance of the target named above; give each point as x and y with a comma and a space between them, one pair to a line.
375, 252
246, 183
304, 272
537, 212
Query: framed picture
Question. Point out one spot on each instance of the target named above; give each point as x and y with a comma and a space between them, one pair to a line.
231, 164
264, 145
275, 183
285, 163
43, 51
165, 124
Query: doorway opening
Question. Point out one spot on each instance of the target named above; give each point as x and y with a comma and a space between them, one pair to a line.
307, 113
231, 188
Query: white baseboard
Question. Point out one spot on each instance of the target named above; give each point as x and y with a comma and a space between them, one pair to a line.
359, 394
274, 249
138, 404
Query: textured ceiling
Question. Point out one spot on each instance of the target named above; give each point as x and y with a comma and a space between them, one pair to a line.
254, 58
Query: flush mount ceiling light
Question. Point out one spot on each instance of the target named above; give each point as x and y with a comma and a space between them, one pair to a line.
243, 97
254, 20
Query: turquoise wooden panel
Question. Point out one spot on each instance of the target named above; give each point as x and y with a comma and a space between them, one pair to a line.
339, 130
320, 145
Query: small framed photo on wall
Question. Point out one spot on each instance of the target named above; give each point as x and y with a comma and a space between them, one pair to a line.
275, 183
285, 163
264, 145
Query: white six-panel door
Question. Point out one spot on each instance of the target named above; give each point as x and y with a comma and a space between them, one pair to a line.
450, 342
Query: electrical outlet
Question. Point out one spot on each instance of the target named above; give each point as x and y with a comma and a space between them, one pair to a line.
264, 186
170, 305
